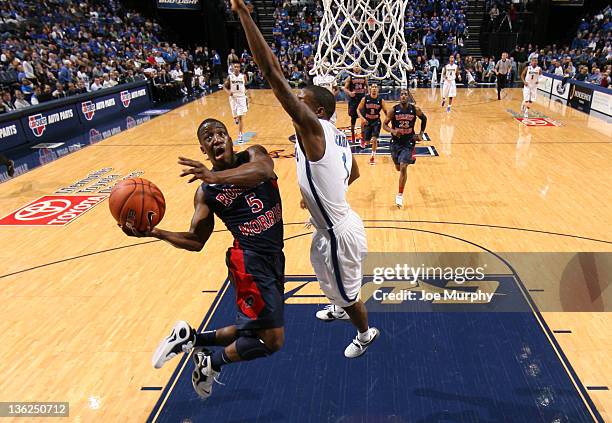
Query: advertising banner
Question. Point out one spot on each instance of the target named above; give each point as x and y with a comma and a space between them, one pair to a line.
179, 4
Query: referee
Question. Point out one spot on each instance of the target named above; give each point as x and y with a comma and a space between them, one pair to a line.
502, 70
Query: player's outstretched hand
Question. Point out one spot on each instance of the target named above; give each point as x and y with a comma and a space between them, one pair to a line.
238, 5
197, 169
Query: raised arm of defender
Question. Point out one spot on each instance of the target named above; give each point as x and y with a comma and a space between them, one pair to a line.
307, 125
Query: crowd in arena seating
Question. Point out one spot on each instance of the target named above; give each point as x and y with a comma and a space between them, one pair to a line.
589, 56
428, 25
51, 49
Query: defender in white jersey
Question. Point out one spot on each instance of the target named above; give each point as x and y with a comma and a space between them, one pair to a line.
329, 83
450, 72
325, 169
531, 77
235, 86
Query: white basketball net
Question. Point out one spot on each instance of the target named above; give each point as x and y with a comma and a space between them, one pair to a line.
369, 33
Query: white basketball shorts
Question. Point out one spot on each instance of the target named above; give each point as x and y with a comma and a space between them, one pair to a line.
449, 89
238, 105
530, 94
337, 255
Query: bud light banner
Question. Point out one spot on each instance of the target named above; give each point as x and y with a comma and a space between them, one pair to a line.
179, 4
51, 124
580, 98
11, 134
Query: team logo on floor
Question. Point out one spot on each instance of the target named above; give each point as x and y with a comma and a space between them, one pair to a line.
537, 121
53, 210
384, 146
68, 203
535, 118
89, 109
38, 124
358, 135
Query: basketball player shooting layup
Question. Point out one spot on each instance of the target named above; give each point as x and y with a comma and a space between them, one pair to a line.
531, 77
235, 86
242, 191
450, 72
325, 168
402, 118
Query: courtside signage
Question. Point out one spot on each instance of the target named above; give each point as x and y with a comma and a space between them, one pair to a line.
53, 210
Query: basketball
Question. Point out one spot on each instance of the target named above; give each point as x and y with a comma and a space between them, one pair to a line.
137, 202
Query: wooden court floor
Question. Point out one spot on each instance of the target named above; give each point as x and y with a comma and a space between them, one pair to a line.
84, 306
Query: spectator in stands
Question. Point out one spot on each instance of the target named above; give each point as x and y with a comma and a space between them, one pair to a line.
34, 99
582, 74
605, 79
231, 59
96, 85
6, 103
595, 77
568, 68
59, 91
46, 95
27, 88
20, 101
65, 73
297, 77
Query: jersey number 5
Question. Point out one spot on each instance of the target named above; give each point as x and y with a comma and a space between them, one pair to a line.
255, 204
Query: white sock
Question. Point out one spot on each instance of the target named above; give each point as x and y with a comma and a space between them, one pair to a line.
365, 336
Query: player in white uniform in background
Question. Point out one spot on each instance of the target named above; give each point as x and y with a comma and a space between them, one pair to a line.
235, 86
328, 82
531, 77
325, 169
450, 72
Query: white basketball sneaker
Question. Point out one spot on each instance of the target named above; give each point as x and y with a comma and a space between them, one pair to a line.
331, 312
399, 201
357, 348
181, 339
203, 376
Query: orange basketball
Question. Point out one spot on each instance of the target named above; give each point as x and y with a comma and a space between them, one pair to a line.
137, 202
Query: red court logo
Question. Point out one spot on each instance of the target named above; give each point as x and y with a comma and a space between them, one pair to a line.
38, 124
126, 97
89, 109
537, 121
52, 210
